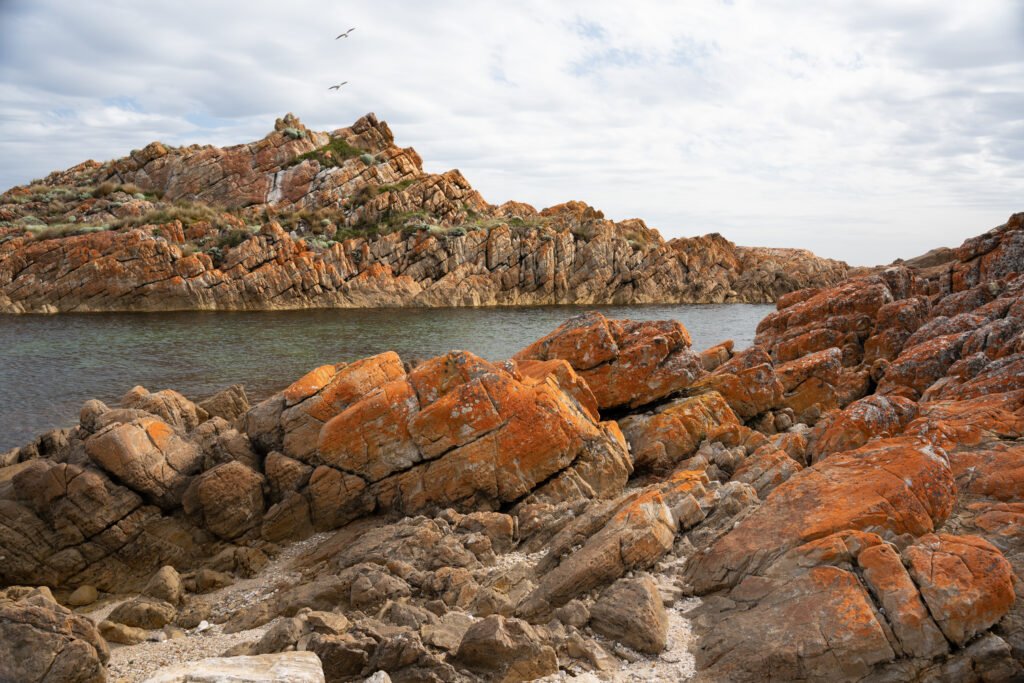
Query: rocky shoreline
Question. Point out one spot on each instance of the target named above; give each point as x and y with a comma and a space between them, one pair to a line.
841, 501
347, 219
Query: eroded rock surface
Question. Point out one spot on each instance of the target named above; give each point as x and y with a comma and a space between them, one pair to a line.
308, 219
840, 502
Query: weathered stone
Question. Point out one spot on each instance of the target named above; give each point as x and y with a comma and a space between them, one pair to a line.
674, 431
281, 636
855, 490
766, 469
169, 405
82, 596
286, 667
165, 585
121, 634
66, 525
230, 403
227, 500
747, 382
508, 649
631, 533
631, 612
42, 641
915, 632
965, 581
144, 612
147, 456
624, 363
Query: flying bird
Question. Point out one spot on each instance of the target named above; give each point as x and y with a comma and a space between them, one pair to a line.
337, 87
345, 34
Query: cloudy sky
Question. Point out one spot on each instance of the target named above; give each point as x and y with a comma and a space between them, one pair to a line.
861, 130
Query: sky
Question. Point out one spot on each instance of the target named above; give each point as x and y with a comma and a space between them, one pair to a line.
863, 131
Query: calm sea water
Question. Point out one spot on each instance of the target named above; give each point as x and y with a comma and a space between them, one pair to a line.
49, 365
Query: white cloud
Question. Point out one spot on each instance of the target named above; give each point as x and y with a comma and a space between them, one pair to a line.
863, 131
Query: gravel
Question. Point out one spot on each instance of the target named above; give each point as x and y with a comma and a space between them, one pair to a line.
131, 663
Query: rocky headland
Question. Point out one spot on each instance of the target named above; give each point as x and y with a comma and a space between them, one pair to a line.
307, 219
838, 502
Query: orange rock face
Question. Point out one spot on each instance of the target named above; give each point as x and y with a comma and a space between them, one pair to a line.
916, 634
675, 430
624, 363
870, 417
747, 382
810, 384
899, 485
457, 430
965, 581
929, 360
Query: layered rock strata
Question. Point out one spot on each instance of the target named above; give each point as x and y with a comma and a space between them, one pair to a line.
364, 226
842, 499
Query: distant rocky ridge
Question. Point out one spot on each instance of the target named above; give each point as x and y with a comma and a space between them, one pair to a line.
306, 219
842, 501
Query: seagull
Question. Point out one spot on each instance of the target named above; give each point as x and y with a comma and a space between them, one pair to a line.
345, 34
337, 87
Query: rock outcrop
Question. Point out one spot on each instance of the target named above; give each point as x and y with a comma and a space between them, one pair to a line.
842, 501
41, 641
305, 219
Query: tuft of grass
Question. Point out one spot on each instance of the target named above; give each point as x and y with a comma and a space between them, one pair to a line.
334, 153
60, 230
233, 238
396, 187
186, 212
104, 189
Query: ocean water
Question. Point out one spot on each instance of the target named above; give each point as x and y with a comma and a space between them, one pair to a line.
49, 365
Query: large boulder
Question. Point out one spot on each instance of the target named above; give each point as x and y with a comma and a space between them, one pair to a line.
168, 405
67, 525
965, 581
40, 641
227, 500
508, 649
631, 611
672, 433
230, 403
892, 486
144, 612
625, 363
455, 431
148, 456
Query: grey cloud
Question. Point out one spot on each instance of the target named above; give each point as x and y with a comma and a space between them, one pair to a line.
857, 130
